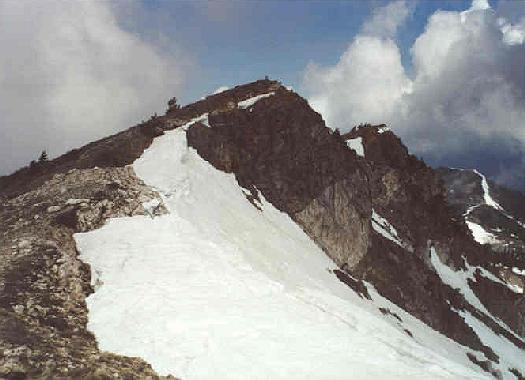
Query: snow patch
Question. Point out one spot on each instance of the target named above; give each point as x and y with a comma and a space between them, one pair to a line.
481, 235
251, 101
76, 201
518, 271
151, 206
199, 119
510, 355
383, 129
459, 281
385, 229
485, 273
356, 145
515, 288
220, 89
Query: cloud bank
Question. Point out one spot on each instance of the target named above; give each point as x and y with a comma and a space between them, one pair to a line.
69, 73
464, 103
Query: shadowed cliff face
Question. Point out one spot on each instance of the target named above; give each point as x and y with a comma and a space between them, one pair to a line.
281, 148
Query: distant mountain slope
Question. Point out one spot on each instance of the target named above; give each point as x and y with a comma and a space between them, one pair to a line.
467, 188
496, 215
251, 241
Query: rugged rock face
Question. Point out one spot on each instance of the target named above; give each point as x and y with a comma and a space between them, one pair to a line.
280, 147
380, 213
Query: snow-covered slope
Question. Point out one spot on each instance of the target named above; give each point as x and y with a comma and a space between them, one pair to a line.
217, 289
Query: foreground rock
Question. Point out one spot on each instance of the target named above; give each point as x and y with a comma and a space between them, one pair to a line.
43, 285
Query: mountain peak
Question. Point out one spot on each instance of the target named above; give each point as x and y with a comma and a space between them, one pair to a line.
202, 227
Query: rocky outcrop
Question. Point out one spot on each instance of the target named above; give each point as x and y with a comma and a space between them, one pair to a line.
43, 284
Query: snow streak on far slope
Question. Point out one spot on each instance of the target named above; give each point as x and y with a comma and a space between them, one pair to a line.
489, 201
478, 232
251, 101
217, 289
457, 280
510, 355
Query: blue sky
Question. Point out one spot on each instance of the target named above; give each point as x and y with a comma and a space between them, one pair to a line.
237, 42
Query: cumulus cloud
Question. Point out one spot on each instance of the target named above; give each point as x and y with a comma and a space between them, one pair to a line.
69, 73
464, 102
367, 83
386, 20
512, 34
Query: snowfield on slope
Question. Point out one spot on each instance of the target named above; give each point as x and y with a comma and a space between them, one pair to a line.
217, 289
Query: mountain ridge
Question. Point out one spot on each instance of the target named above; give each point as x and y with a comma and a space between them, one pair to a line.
378, 212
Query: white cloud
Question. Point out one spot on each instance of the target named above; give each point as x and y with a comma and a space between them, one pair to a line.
466, 93
512, 34
386, 20
480, 4
69, 74
368, 82
365, 85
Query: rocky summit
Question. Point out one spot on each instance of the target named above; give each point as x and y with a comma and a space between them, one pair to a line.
240, 237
